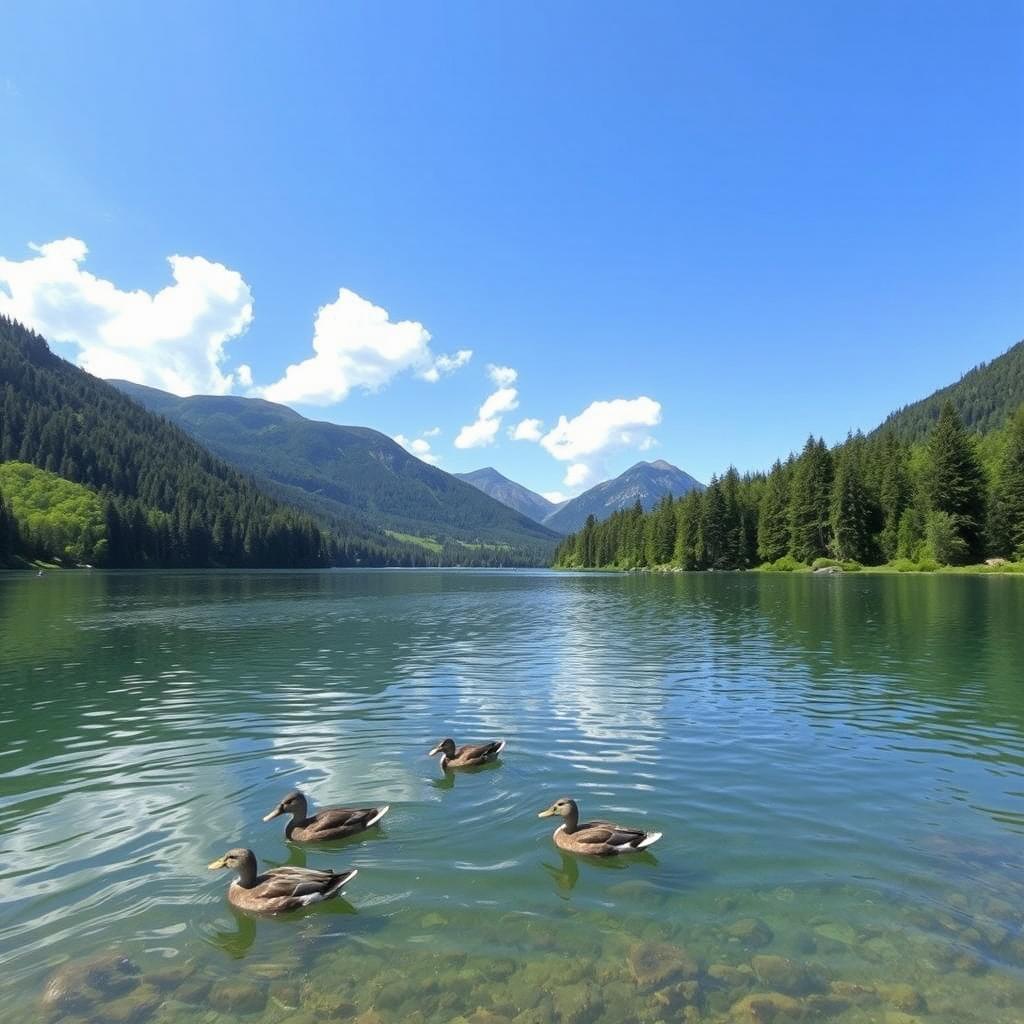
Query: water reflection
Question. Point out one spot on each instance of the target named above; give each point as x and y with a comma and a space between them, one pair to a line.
838, 761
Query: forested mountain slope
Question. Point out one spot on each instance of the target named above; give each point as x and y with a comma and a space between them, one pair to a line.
166, 500
349, 471
984, 397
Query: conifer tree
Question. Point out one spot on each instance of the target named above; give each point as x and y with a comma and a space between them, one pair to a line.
809, 502
773, 515
1008, 493
849, 512
688, 513
8, 532
955, 482
894, 492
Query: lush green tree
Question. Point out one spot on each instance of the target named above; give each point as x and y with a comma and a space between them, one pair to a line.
895, 491
849, 511
688, 515
773, 514
955, 482
810, 500
1007, 529
9, 539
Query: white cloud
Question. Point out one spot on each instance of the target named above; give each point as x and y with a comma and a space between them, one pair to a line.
478, 434
432, 432
585, 439
503, 376
501, 401
443, 365
526, 430
419, 446
357, 345
484, 430
173, 339
601, 426
557, 497
577, 474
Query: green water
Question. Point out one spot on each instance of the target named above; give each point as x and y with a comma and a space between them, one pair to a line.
837, 766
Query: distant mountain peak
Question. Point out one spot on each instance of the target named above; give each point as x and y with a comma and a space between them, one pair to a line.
508, 492
646, 482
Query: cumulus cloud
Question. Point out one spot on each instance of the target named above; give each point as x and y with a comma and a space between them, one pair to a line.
526, 430
621, 422
443, 365
357, 345
503, 376
420, 446
484, 429
174, 339
584, 440
577, 475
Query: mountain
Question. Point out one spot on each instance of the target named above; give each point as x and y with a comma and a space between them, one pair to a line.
508, 492
647, 481
159, 498
985, 398
345, 471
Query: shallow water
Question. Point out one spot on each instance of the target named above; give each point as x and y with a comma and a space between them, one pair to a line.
836, 764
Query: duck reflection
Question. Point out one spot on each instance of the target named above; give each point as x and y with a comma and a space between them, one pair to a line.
238, 941
566, 874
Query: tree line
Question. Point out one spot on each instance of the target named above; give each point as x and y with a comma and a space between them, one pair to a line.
165, 501
955, 498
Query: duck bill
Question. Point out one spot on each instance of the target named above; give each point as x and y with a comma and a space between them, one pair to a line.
277, 811
436, 750
213, 865
547, 814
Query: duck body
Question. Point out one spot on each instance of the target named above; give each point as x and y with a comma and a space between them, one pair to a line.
468, 756
278, 890
330, 823
595, 838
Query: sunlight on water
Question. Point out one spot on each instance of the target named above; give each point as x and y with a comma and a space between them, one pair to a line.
836, 764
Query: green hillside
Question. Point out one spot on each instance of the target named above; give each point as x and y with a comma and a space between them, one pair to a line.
355, 472
984, 397
166, 501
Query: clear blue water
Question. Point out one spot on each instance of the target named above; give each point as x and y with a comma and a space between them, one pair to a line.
837, 766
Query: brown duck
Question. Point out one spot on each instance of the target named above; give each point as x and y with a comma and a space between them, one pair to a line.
595, 838
469, 756
278, 889
330, 823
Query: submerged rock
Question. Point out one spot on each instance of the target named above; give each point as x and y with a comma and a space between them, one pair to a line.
137, 1006
783, 975
655, 963
902, 997
236, 996
732, 977
194, 991
80, 984
767, 1008
752, 932
858, 995
169, 978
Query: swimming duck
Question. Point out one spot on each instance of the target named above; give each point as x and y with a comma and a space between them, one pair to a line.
330, 823
595, 838
278, 889
468, 756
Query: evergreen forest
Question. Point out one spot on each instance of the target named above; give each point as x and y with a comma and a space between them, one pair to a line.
954, 497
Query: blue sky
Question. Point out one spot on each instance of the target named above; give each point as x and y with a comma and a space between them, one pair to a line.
726, 225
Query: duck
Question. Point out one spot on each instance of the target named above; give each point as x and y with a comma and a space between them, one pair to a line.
595, 838
278, 890
330, 823
469, 756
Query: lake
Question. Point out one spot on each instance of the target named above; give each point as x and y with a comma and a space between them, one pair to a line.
837, 765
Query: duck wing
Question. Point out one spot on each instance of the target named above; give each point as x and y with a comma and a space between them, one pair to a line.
333, 818
478, 751
295, 882
607, 833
